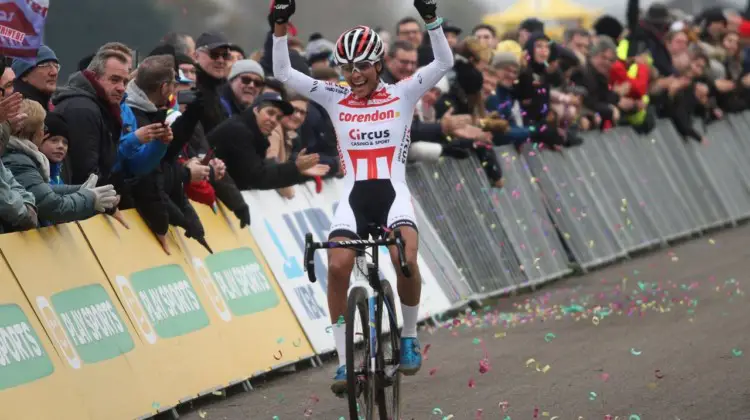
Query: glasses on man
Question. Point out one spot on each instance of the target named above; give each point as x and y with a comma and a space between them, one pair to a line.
216, 54
362, 66
250, 81
49, 65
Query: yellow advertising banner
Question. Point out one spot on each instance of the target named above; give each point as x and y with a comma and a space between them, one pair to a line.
33, 382
257, 320
172, 314
71, 296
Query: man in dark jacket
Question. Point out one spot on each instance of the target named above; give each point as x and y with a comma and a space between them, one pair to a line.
90, 103
159, 196
37, 79
212, 59
594, 77
241, 142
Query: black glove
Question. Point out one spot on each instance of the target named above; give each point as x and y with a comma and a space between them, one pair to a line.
243, 214
455, 152
426, 8
283, 10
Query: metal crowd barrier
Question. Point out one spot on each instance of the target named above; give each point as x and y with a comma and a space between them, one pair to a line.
616, 194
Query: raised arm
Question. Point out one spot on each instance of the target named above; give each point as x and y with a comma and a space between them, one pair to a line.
427, 78
282, 65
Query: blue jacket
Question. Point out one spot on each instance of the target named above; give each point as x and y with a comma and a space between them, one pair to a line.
134, 158
502, 102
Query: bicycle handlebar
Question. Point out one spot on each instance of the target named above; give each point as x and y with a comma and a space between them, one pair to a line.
311, 247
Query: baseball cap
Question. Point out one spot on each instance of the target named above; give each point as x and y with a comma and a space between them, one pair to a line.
275, 99
212, 40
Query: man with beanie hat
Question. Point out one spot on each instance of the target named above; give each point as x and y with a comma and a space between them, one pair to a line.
246, 81
37, 79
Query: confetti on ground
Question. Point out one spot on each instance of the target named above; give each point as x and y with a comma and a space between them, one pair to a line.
279, 340
432, 371
202, 414
658, 374
592, 395
736, 352
549, 337
472, 383
297, 343
437, 410
635, 352
278, 355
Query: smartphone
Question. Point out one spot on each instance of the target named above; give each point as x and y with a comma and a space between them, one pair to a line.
209, 155
186, 97
161, 116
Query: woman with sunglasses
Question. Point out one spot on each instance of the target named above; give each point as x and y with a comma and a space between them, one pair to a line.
372, 122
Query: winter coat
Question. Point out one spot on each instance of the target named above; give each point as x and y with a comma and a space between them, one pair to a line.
134, 158
55, 203
94, 127
242, 146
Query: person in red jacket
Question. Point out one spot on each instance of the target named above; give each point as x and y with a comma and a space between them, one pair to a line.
629, 77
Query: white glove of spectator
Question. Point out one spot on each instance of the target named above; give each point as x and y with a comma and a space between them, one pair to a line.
91, 182
105, 198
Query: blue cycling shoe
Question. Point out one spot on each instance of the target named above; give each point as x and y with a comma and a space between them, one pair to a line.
339, 381
411, 356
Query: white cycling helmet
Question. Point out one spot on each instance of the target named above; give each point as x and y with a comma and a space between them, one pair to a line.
358, 44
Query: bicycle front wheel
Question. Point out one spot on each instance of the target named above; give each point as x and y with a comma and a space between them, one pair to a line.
387, 394
360, 386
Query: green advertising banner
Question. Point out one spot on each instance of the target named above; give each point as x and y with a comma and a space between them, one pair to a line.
242, 282
170, 301
22, 356
92, 323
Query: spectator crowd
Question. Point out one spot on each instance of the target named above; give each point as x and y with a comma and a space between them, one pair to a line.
200, 119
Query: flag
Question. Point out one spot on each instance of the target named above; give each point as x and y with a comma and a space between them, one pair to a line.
22, 27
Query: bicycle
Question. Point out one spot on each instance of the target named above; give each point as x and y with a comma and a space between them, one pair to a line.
369, 295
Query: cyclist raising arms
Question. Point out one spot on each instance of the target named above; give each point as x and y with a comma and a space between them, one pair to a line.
372, 122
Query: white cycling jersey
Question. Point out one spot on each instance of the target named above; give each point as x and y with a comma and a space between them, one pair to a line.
373, 134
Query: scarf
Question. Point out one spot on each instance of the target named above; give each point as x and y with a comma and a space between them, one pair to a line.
114, 109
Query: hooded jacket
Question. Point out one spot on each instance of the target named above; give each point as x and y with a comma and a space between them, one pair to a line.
159, 196
13, 196
533, 88
242, 146
30, 92
94, 126
55, 203
134, 158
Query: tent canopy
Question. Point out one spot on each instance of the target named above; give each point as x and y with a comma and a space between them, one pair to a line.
544, 10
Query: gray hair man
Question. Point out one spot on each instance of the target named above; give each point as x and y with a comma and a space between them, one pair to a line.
246, 81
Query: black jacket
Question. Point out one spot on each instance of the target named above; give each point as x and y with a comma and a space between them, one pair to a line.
319, 136
226, 190
94, 130
30, 92
242, 146
598, 97
210, 90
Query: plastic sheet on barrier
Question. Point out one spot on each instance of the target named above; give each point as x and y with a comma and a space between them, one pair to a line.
529, 229
437, 257
282, 224
34, 383
258, 325
456, 191
173, 313
81, 314
573, 208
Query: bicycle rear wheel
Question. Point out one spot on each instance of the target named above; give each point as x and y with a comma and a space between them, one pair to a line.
387, 393
360, 387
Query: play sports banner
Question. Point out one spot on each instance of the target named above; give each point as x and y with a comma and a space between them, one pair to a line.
281, 224
258, 325
90, 332
34, 384
172, 313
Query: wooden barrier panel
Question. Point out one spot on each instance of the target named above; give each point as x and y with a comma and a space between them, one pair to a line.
62, 279
172, 314
259, 325
34, 384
